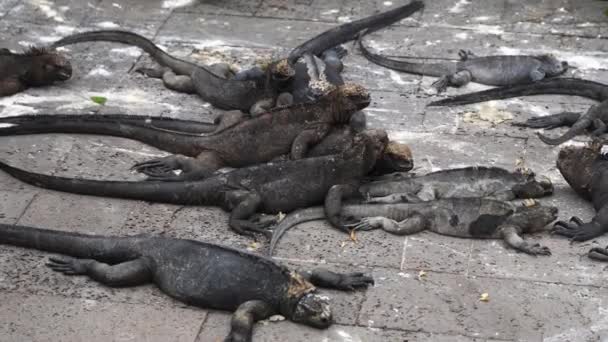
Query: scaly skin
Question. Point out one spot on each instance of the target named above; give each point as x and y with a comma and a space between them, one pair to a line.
458, 217
594, 120
33, 68
586, 170
197, 273
270, 188
349, 31
483, 182
216, 84
283, 130
490, 70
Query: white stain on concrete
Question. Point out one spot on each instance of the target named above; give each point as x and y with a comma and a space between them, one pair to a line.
397, 78
459, 6
461, 36
176, 3
131, 51
100, 70
48, 9
581, 59
107, 25
64, 29
331, 11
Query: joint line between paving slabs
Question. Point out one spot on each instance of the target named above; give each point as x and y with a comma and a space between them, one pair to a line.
403, 253
26, 208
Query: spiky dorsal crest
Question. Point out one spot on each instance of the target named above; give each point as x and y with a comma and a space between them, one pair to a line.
36, 51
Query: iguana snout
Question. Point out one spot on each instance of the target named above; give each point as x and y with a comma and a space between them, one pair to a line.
356, 94
553, 66
313, 310
534, 188
47, 67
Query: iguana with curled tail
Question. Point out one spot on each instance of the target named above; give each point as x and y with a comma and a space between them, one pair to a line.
594, 120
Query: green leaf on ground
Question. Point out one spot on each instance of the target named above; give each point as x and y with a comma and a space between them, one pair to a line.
99, 99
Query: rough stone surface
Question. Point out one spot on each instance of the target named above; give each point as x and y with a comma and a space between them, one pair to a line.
428, 287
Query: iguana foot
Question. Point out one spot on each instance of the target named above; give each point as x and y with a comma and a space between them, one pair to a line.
237, 337
598, 253
152, 72
545, 122
352, 281
249, 228
534, 249
339, 52
369, 223
158, 167
441, 84
576, 230
68, 266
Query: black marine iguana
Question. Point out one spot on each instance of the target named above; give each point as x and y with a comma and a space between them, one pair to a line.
270, 188
194, 272
458, 217
216, 84
34, 68
478, 181
490, 70
586, 170
594, 120
282, 130
349, 31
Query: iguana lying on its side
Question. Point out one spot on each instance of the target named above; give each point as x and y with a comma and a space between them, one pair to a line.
458, 217
594, 121
241, 143
194, 272
34, 68
270, 188
490, 70
586, 170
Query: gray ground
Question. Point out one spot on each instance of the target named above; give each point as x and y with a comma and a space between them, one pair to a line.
428, 287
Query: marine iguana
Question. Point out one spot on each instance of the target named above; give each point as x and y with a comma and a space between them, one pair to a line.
282, 130
586, 170
594, 120
458, 217
478, 181
270, 188
489, 70
194, 272
216, 84
33, 68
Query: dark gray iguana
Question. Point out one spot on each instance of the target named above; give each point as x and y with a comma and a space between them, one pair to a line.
490, 70
194, 272
458, 217
269, 188
34, 68
594, 120
216, 84
291, 129
479, 181
586, 170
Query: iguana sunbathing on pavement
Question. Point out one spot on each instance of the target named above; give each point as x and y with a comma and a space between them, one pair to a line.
458, 217
33, 68
489, 70
593, 121
196, 273
279, 186
236, 143
586, 170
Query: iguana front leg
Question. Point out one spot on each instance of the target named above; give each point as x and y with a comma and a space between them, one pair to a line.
597, 253
550, 121
241, 326
466, 54
181, 83
129, 273
333, 204
578, 230
510, 235
307, 138
161, 169
457, 79
413, 224
340, 281
403, 197
243, 205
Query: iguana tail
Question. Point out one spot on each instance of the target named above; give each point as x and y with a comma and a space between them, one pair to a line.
164, 139
204, 192
558, 86
432, 69
296, 217
178, 66
578, 128
158, 123
103, 248
349, 31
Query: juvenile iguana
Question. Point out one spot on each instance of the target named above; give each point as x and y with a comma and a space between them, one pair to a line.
34, 68
586, 170
216, 84
458, 217
490, 70
282, 130
478, 181
594, 120
270, 188
194, 272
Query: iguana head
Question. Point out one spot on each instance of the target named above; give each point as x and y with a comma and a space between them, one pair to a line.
314, 310
553, 66
281, 70
46, 67
576, 165
397, 157
535, 218
531, 187
345, 100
